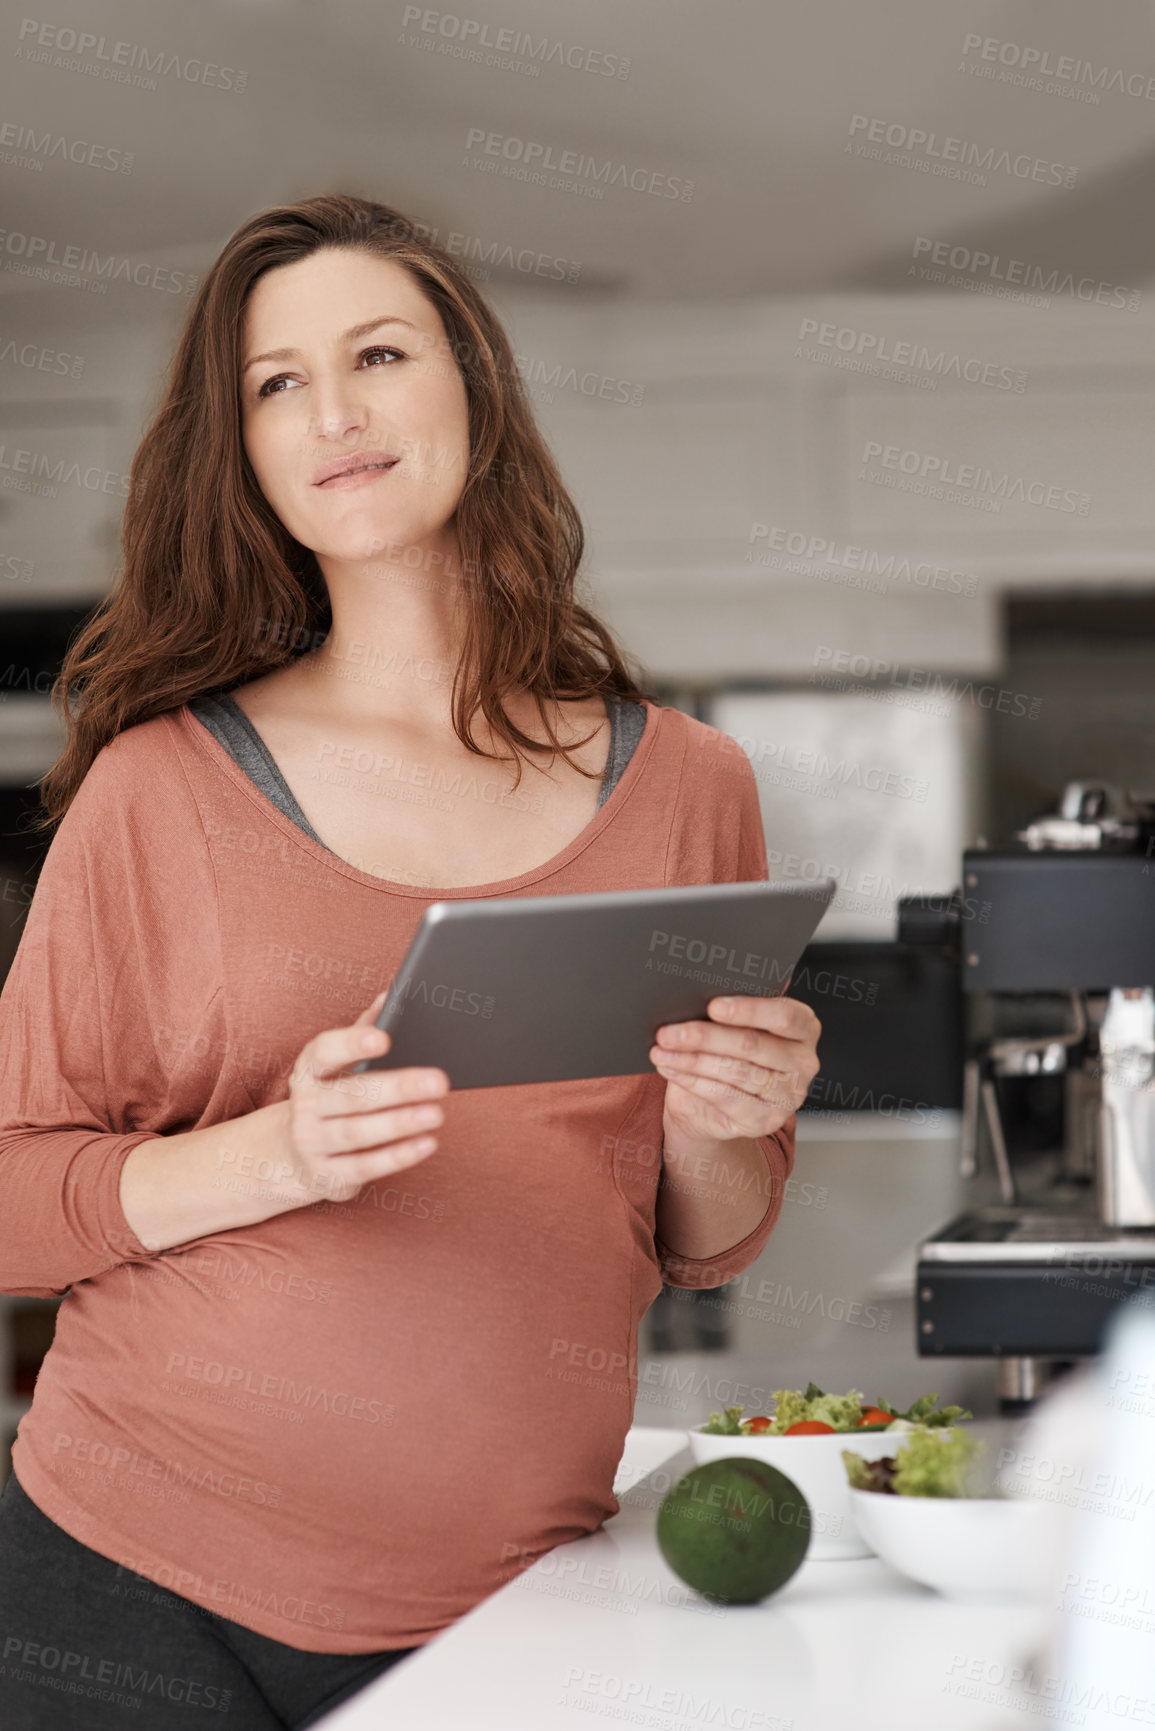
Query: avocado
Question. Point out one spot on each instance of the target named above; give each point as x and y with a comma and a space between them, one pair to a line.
734, 1529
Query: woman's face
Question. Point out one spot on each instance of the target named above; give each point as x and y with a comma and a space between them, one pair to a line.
390, 392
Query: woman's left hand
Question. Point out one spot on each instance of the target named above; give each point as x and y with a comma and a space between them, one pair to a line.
741, 1074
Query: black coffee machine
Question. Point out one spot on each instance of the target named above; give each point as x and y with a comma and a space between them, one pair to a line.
1055, 945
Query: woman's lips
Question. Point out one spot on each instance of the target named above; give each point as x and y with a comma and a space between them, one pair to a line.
356, 477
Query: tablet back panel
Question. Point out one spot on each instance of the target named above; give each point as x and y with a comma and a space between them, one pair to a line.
551, 988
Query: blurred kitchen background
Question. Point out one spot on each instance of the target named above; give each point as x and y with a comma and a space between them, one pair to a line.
841, 322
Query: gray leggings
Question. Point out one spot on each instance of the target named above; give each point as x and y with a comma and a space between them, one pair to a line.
86, 1643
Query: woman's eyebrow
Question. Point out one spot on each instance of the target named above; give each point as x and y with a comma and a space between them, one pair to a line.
349, 336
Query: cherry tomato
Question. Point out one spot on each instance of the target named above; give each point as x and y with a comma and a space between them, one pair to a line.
875, 1415
809, 1427
759, 1424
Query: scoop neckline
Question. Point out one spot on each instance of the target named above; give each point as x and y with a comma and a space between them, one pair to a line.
323, 855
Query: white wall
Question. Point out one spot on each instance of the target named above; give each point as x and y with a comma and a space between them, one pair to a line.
716, 417
746, 417
696, 435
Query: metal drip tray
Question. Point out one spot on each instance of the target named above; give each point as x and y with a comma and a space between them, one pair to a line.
1028, 1282
1032, 1235
1061, 1229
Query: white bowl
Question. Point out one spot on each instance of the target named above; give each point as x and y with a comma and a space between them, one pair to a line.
977, 1548
814, 1464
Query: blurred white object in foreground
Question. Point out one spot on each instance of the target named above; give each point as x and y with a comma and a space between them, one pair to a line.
1091, 1446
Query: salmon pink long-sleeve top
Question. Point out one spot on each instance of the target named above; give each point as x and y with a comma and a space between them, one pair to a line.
347, 1425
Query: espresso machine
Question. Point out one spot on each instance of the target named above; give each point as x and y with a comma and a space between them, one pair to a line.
1055, 944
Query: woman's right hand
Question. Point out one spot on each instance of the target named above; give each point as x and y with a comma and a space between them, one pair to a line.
346, 1130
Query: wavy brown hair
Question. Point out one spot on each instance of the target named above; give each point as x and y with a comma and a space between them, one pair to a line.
204, 555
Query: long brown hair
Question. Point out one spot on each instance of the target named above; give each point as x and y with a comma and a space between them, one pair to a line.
205, 556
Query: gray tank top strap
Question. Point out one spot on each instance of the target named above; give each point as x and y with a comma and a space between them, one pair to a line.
627, 724
224, 718
227, 722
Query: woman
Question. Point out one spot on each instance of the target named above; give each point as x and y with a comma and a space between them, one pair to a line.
339, 1353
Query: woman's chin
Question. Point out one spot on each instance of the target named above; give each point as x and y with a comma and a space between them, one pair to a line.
374, 543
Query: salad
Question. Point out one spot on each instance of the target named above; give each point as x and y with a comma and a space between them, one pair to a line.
814, 1413
929, 1464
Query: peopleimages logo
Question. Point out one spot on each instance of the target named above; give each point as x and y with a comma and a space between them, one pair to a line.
41, 359
875, 350
1011, 274
673, 945
130, 1463
445, 997
534, 161
944, 472
37, 147
272, 1386
36, 471
1038, 64
37, 254
920, 679
956, 158
811, 554
72, 50
819, 768
470, 35
103, 1679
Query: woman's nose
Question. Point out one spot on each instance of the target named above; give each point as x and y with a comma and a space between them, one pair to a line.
338, 411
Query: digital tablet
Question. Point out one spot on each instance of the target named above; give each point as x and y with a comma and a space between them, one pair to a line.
502, 991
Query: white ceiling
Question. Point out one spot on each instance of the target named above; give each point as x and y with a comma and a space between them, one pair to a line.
751, 101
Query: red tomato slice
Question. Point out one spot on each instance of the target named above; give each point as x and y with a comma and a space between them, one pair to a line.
875, 1415
809, 1427
759, 1424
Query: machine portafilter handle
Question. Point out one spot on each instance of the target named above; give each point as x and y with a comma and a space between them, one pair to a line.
981, 1106
972, 1086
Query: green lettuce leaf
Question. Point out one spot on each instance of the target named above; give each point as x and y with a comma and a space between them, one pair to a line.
922, 1411
842, 1411
936, 1463
724, 1423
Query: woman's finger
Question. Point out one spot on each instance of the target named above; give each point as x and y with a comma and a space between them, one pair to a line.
371, 1011
336, 1048
754, 1044
325, 1138
738, 1071
344, 1172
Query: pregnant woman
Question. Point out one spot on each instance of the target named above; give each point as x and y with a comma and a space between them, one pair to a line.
339, 1353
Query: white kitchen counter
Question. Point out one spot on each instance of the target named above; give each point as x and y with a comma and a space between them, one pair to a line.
602, 1630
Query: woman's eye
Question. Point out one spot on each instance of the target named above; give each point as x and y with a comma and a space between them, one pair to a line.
267, 390
381, 351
